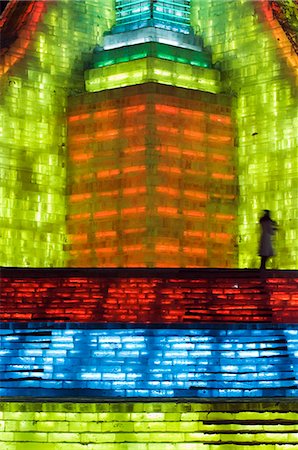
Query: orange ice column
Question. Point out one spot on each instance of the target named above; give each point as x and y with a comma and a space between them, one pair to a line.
151, 178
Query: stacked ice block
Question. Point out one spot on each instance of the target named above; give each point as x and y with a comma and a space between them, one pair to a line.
141, 366
259, 66
145, 386
152, 178
38, 71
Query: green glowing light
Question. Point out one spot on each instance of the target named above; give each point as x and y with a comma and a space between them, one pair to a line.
152, 69
34, 100
257, 65
147, 425
151, 49
33, 135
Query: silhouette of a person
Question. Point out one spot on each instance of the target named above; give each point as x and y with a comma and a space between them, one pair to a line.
268, 228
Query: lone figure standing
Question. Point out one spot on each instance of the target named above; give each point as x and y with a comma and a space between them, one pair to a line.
268, 228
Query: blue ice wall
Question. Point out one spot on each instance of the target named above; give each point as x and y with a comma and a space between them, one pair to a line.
128, 361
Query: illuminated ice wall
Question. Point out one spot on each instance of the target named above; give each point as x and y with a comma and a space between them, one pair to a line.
45, 64
148, 359
150, 426
38, 70
259, 67
152, 179
148, 368
152, 163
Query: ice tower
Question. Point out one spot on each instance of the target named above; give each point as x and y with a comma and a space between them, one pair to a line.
151, 155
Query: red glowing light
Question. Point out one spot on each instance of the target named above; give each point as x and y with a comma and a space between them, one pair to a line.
17, 50
170, 299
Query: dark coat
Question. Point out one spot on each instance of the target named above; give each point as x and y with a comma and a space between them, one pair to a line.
268, 229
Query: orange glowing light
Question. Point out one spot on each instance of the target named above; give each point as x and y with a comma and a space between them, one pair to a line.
106, 135
170, 130
168, 169
105, 234
220, 139
226, 120
103, 214
87, 176
192, 114
108, 173
166, 109
224, 216
137, 210
105, 250
85, 251
81, 138
79, 237
138, 264
194, 154
79, 117
133, 191
134, 131
169, 149
132, 150
282, 40
133, 248
133, 109
167, 210
217, 157
107, 113
195, 251
197, 234
79, 216
225, 196
79, 197
114, 193
223, 176
81, 156
193, 213
167, 248
195, 194
134, 230
167, 190
194, 134
195, 173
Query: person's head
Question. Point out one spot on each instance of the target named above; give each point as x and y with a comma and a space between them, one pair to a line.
266, 215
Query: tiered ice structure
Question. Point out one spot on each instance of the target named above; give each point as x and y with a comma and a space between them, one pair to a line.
174, 383
152, 178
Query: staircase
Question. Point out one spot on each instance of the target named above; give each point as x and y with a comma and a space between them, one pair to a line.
149, 295
148, 359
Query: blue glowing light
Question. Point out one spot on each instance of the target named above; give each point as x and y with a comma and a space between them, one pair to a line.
58, 360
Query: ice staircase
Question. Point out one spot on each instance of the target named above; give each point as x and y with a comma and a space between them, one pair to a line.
148, 359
